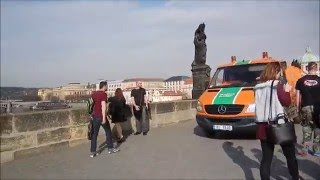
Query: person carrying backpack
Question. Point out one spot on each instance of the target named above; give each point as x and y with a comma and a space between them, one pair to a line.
99, 119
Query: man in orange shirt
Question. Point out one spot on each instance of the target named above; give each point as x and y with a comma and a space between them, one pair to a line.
293, 73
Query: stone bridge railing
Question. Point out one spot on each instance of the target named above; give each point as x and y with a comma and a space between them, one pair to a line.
28, 134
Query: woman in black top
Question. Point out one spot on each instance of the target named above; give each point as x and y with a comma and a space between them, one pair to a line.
117, 111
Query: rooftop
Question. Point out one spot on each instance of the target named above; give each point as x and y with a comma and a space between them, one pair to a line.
188, 81
177, 78
114, 81
144, 80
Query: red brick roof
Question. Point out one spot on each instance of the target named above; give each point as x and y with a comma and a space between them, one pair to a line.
188, 81
172, 93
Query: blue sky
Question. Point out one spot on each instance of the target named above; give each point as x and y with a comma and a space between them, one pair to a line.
51, 43
151, 3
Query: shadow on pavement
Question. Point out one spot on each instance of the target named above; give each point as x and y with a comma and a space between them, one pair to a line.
200, 132
280, 168
103, 145
127, 130
238, 157
222, 135
305, 166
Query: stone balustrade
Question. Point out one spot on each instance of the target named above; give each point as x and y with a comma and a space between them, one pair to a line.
28, 134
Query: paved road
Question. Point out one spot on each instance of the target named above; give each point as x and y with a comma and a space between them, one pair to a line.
176, 152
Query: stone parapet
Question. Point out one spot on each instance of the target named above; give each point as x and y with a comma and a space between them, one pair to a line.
28, 134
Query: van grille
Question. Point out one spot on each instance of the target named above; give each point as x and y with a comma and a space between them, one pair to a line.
230, 109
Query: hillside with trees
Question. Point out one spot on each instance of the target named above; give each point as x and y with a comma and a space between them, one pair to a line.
19, 93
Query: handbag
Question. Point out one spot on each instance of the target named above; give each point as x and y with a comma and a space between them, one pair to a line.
280, 130
127, 111
90, 130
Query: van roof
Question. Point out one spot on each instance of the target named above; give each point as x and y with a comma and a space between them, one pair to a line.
254, 61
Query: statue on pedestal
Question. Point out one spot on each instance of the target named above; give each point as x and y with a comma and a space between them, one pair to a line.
200, 70
199, 42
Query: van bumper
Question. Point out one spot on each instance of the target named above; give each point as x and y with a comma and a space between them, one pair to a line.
245, 125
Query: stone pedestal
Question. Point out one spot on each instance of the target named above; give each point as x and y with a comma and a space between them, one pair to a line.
201, 78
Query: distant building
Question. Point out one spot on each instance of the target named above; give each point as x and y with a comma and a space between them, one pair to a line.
6, 106
147, 83
153, 86
70, 90
165, 98
187, 88
113, 85
175, 83
172, 93
309, 57
158, 89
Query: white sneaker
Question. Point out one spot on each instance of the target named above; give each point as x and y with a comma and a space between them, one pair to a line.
113, 150
92, 155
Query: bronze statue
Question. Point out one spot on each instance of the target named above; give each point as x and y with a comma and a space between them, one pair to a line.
200, 46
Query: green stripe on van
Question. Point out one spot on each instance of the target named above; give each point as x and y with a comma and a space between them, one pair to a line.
242, 62
226, 95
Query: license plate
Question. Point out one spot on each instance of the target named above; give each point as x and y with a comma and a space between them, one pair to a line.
222, 127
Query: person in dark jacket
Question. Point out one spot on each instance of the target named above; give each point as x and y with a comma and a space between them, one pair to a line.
117, 111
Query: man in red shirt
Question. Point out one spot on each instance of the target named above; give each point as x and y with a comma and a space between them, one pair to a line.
99, 119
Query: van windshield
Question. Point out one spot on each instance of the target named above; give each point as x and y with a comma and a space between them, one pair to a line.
242, 75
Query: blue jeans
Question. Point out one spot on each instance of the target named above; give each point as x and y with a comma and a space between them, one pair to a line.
96, 126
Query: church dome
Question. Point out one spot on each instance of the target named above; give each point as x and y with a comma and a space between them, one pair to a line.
309, 57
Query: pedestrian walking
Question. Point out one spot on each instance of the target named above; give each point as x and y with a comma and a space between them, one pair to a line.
99, 119
140, 107
308, 102
117, 108
269, 83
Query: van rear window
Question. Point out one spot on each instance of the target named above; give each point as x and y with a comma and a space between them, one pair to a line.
242, 75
